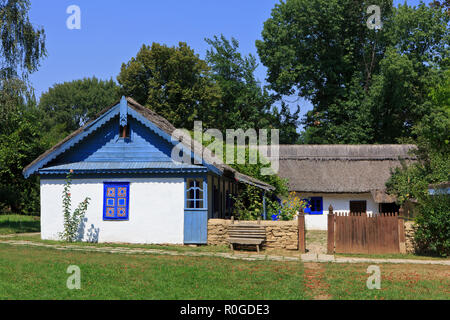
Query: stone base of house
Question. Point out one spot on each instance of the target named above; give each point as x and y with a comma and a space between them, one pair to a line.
409, 236
279, 234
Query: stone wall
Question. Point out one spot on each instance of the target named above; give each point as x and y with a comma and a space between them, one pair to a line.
409, 236
279, 234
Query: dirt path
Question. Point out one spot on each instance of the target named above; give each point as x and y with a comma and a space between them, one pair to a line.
316, 242
314, 280
310, 258
12, 235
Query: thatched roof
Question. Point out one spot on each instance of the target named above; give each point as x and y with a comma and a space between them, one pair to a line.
341, 168
163, 124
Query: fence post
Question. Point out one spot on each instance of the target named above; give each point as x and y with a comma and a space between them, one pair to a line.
301, 232
401, 231
330, 238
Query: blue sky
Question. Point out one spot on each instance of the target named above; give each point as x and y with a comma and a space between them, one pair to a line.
112, 31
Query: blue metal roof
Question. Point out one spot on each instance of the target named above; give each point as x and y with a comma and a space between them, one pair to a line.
112, 167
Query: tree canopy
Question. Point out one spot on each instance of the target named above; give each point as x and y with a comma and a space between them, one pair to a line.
172, 81
22, 46
366, 86
69, 105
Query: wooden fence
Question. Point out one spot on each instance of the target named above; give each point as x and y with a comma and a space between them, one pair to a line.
363, 233
301, 232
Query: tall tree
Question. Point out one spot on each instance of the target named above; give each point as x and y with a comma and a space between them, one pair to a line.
360, 81
69, 105
18, 148
172, 81
244, 102
287, 122
432, 166
22, 46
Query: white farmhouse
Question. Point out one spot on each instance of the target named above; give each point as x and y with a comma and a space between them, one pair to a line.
123, 161
351, 178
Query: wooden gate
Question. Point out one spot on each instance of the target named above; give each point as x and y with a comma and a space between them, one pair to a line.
361, 233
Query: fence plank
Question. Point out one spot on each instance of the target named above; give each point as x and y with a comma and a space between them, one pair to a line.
301, 233
361, 233
330, 236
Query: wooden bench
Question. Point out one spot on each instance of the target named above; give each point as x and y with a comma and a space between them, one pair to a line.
246, 234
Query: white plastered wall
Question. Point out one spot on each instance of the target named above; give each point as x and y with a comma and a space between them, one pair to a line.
156, 210
340, 203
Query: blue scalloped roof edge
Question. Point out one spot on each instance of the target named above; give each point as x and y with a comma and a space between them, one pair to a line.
97, 124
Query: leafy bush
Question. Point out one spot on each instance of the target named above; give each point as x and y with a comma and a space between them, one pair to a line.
72, 220
433, 225
291, 207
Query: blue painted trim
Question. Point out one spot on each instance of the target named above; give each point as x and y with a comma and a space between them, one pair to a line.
92, 127
203, 189
123, 112
116, 185
320, 211
96, 124
264, 206
112, 171
128, 175
308, 206
168, 138
205, 192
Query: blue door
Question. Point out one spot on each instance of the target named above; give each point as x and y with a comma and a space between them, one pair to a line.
196, 211
195, 226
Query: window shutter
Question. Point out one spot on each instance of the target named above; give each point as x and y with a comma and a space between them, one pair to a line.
116, 201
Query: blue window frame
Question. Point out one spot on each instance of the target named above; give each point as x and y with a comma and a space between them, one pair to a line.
307, 210
115, 200
316, 205
194, 194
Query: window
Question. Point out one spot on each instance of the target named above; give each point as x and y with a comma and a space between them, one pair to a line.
194, 194
358, 206
116, 200
316, 205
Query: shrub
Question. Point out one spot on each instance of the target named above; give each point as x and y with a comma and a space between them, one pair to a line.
72, 220
433, 225
291, 207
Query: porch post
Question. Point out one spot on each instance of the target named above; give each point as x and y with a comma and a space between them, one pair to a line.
301, 232
401, 231
264, 205
330, 238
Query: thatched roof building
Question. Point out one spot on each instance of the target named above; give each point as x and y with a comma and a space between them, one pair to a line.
341, 168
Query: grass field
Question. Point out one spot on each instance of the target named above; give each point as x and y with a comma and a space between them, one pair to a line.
14, 223
40, 273
398, 282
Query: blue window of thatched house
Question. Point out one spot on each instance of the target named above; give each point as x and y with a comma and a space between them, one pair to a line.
316, 205
116, 197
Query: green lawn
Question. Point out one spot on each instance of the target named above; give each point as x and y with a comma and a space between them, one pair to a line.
14, 223
40, 273
398, 281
